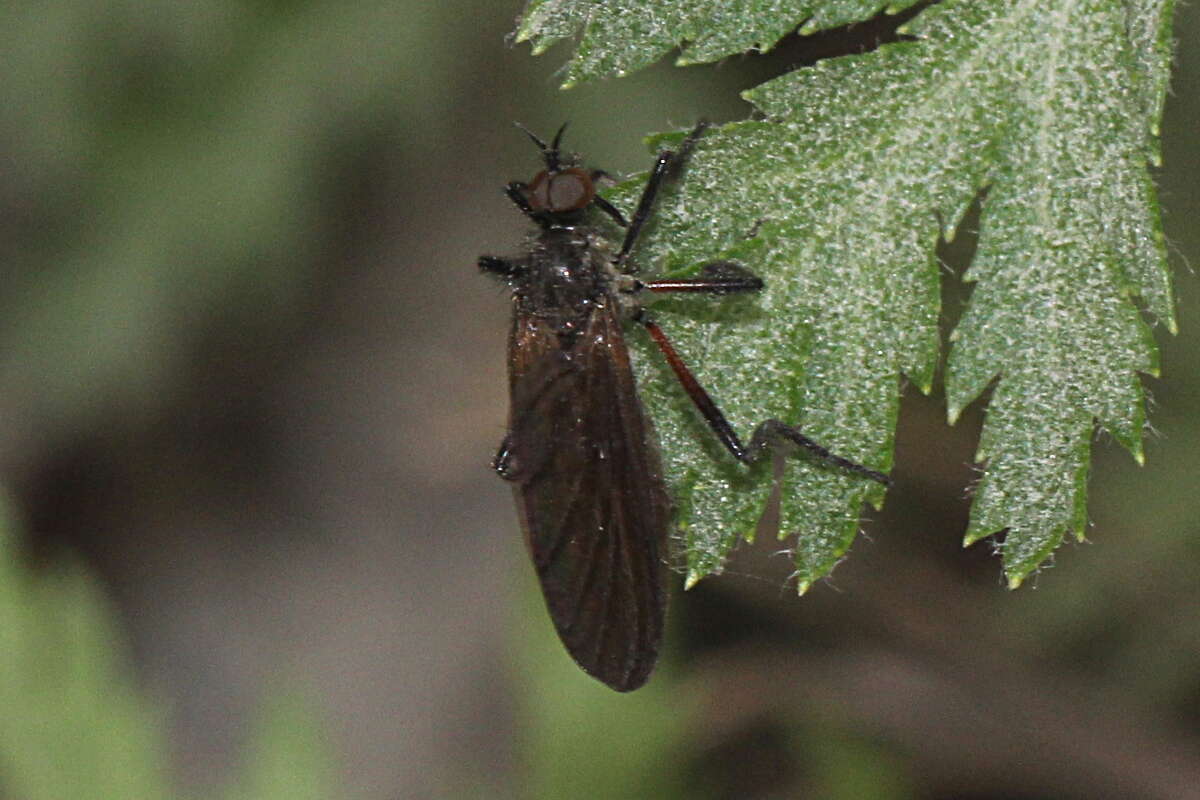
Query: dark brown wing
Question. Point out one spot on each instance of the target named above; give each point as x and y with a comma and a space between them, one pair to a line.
590, 494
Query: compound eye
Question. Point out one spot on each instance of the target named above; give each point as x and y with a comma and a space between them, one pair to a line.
561, 191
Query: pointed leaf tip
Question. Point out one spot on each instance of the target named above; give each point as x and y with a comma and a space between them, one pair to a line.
852, 298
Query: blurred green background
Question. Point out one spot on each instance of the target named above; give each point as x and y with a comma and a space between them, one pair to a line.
249, 372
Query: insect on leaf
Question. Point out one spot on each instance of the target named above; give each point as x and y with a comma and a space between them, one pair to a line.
837, 198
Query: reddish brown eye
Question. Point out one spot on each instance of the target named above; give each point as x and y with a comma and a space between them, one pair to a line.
561, 191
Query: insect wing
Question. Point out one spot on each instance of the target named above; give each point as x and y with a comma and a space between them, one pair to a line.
590, 494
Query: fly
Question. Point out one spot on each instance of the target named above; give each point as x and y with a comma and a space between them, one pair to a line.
580, 451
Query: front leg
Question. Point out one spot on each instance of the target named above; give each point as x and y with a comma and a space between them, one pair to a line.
658, 174
518, 193
502, 462
502, 267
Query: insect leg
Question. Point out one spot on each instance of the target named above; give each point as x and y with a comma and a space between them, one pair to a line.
502, 462
719, 277
520, 455
600, 176
773, 430
610, 209
502, 457
516, 193
646, 204
500, 266
712, 414
769, 432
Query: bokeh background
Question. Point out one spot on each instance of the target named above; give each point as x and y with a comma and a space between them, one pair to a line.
248, 372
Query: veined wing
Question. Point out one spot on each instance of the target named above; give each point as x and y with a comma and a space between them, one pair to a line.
590, 494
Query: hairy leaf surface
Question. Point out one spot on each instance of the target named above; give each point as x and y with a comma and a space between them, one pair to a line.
837, 198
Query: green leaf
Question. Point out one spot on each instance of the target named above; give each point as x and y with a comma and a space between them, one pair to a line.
837, 198
1070, 232
620, 36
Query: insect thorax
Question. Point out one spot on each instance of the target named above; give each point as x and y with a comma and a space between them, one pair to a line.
568, 274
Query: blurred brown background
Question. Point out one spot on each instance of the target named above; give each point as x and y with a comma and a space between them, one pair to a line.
248, 369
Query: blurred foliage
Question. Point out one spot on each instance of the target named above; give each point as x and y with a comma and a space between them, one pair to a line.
76, 726
581, 739
73, 724
562, 717
187, 131
287, 755
168, 169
